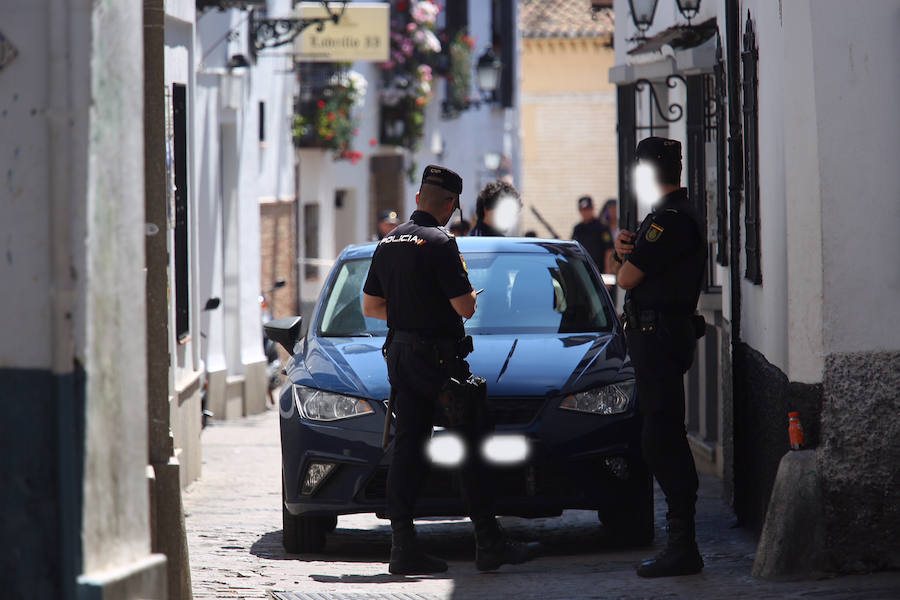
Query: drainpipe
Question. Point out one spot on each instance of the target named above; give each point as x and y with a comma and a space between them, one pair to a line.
735, 187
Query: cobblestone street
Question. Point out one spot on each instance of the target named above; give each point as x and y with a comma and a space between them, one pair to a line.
234, 533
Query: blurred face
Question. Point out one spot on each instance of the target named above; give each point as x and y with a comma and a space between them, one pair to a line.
646, 186
505, 215
385, 227
612, 213
587, 213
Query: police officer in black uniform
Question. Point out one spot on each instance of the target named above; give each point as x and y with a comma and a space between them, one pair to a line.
662, 269
418, 282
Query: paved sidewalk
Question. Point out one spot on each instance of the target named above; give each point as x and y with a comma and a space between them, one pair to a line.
234, 534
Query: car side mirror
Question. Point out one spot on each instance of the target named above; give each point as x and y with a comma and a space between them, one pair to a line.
284, 331
212, 304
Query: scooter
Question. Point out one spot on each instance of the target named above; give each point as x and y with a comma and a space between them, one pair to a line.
211, 304
274, 366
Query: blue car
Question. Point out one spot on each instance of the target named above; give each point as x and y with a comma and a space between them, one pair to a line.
561, 395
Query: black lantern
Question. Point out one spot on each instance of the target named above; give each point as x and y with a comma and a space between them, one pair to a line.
488, 70
642, 14
689, 8
238, 61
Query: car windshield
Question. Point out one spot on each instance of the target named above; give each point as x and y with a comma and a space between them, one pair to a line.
523, 293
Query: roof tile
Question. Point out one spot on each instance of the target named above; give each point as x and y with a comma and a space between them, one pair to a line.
564, 18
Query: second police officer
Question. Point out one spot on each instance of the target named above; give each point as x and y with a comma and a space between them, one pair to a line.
662, 268
419, 283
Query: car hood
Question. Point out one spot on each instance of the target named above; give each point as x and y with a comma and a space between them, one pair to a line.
513, 365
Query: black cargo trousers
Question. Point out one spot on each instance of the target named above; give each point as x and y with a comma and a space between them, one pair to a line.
660, 359
416, 379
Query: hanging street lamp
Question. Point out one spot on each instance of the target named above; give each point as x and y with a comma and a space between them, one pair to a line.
642, 12
688, 8
488, 71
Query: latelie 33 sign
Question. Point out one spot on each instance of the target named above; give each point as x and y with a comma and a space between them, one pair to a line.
361, 34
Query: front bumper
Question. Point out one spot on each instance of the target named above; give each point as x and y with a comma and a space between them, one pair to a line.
576, 461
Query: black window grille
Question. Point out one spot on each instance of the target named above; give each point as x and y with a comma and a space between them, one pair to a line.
316, 83
702, 131
182, 271
503, 33
456, 17
749, 64
721, 158
262, 121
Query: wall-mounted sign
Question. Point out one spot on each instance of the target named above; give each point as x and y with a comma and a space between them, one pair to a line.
361, 34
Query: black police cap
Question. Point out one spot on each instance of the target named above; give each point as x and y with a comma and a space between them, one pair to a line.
443, 178
585, 202
663, 151
388, 215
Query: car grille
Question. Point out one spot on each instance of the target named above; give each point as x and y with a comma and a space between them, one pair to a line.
514, 411
534, 480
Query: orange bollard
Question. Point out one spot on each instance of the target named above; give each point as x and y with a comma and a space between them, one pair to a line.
795, 430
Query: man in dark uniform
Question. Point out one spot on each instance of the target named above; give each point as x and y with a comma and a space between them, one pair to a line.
663, 266
418, 282
387, 221
593, 234
595, 237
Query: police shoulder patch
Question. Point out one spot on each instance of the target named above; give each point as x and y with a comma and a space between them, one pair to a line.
654, 233
464, 265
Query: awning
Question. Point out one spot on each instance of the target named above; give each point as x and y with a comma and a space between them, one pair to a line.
677, 50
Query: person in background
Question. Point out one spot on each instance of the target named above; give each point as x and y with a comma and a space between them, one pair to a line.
460, 228
609, 216
498, 203
594, 236
387, 221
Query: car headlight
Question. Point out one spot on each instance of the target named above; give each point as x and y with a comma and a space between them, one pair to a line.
318, 405
608, 400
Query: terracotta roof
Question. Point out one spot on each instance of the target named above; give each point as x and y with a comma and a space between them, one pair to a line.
564, 18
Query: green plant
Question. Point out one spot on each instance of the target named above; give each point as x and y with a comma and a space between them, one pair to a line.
329, 122
407, 76
459, 79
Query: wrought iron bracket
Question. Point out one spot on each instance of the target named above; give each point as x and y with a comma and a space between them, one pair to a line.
673, 111
271, 33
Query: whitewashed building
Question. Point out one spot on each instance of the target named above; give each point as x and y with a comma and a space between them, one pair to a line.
340, 200
243, 159
788, 126
76, 513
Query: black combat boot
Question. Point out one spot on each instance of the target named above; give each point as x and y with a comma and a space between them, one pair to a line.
406, 556
493, 548
680, 556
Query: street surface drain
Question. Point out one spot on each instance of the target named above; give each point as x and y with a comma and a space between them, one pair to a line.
349, 596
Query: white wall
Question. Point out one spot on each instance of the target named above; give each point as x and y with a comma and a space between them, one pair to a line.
857, 83
802, 188
764, 307
72, 225
235, 172
179, 68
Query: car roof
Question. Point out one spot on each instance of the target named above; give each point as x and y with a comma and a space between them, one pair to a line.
483, 244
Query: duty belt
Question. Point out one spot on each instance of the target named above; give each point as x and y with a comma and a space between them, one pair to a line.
446, 348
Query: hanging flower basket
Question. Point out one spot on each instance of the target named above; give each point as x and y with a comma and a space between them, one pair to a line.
325, 117
407, 76
459, 77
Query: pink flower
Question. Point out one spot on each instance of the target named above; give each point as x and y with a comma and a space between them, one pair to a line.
410, 27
